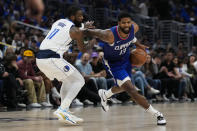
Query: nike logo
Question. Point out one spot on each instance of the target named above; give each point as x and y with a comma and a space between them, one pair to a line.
105, 96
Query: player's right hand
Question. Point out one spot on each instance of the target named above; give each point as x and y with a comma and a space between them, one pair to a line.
89, 25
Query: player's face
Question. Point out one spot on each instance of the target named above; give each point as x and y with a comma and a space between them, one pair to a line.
78, 18
125, 25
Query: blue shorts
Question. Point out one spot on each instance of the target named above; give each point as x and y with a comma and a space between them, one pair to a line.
120, 73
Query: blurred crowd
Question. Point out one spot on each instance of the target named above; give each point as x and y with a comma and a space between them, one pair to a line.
179, 10
169, 74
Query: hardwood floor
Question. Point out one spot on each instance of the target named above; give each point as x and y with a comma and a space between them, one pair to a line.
180, 117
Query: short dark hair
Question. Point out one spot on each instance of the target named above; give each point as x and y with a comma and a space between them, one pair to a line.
9, 58
123, 15
72, 10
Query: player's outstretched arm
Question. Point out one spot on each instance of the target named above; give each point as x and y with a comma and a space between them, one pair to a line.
104, 35
78, 35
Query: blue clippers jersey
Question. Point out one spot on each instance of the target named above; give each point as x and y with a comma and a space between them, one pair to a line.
118, 53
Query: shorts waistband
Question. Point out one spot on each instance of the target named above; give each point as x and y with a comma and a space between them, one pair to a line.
44, 54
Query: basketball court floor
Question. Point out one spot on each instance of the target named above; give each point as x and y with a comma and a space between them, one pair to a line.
180, 117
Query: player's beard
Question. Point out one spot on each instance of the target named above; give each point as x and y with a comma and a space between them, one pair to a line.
77, 23
125, 31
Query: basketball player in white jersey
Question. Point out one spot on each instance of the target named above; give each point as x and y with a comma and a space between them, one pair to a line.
50, 60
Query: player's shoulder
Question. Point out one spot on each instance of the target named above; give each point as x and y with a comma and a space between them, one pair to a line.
63, 22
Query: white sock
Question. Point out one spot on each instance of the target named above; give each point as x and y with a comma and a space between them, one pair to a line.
109, 93
70, 89
65, 104
153, 111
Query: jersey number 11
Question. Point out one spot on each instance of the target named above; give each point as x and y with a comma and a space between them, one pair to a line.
53, 33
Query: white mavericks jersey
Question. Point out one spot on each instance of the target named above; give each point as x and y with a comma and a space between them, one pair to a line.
58, 39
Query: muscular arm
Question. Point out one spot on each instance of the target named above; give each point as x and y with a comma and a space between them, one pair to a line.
78, 35
104, 35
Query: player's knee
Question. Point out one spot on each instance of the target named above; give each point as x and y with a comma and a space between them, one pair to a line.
130, 89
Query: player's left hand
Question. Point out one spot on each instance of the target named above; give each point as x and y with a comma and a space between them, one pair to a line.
144, 47
89, 25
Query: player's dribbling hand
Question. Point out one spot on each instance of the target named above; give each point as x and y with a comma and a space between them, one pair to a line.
144, 47
35, 9
89, 25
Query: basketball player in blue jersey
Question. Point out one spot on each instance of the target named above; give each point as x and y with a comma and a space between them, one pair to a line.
118, 40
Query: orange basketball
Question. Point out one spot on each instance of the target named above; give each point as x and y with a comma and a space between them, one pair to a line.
138, 57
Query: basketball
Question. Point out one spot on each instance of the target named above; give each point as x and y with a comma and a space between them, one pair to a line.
138, 57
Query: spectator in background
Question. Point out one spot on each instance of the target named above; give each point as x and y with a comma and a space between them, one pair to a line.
2, 39
99, 70
180, 50
17, 42
10, 86
85, 69
40, 39
192, 70
193, 51
26, 43
193, 18
151, 69
168, 74
9, 50
182, 67
33, 46
182, 81
31, 81
12, 68
144, 8
142, 83
23, 37
20, 55
157, 45
48, 86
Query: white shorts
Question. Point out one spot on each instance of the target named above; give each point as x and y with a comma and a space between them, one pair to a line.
58, 68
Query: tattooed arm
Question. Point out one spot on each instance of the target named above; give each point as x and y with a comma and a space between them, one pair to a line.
104, 35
